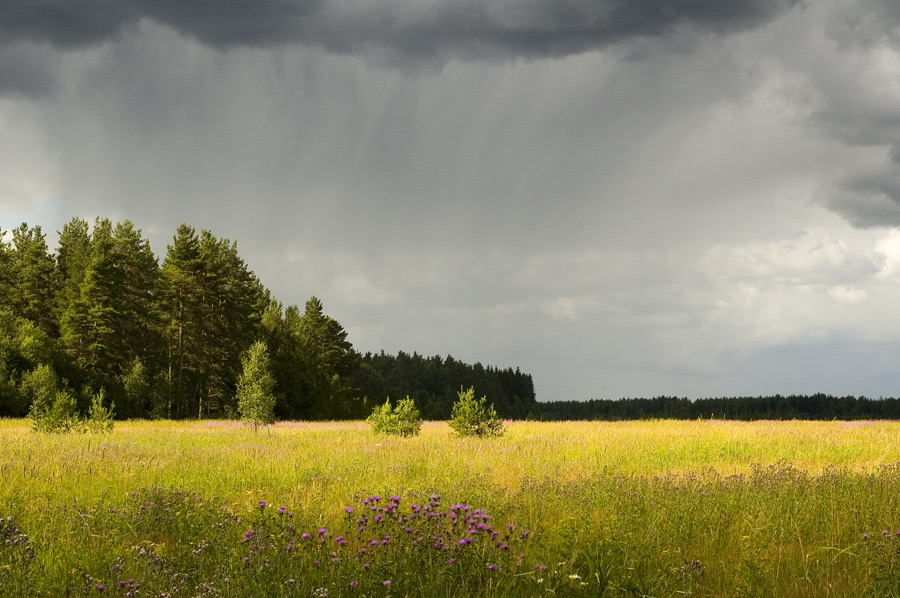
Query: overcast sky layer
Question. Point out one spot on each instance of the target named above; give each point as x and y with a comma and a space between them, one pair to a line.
621, 197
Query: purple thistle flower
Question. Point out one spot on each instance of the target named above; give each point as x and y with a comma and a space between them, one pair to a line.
348, 510
281, 510
451, 562
246, 560
304, 536
492, 567
262, 504
322, 531
387, 582
353, 584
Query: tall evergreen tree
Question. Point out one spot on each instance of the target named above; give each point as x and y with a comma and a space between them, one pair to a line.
140, 320
233, 302
88, 324
214, 304
32, 269
333, 361
182, 287
72, 260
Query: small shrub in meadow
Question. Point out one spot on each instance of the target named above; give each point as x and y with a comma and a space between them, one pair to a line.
402, 420
474, 418
99, 418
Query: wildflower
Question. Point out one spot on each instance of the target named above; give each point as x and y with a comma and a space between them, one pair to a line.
464, 541
353, 584
348, 510
246, 560
451, 562
281, 510
262, 504
387, 582
493, 567
304, 536
574, 576
322, 531
525, 534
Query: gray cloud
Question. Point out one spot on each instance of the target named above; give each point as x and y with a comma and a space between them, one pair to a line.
442, 29
615, 226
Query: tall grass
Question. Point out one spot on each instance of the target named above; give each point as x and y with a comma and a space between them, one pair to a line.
657, 508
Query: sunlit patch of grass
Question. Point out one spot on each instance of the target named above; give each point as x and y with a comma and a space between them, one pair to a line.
704, 508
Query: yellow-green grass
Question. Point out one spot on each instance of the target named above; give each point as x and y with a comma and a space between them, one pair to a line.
716, 508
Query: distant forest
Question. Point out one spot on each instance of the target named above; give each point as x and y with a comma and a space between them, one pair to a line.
811, 407
166, 340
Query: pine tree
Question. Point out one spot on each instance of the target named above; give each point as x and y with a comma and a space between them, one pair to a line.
32, 269
255, 398
182, 287
332, 359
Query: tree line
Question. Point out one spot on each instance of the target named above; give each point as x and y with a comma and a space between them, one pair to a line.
809, 407
101, 315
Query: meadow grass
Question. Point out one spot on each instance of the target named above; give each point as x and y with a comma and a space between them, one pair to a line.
653, 508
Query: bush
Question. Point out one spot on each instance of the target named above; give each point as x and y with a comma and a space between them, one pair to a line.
402, 420
60, 416
474, 418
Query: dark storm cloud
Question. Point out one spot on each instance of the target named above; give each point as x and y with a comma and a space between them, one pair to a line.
390, 30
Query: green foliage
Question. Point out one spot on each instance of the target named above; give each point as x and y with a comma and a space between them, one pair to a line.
402, 420
256, 402
38, 388
32, 268
332, 359
474, 418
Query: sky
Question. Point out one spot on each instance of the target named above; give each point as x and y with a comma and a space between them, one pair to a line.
624, 198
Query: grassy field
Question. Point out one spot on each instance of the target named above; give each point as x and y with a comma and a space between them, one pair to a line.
657, 508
